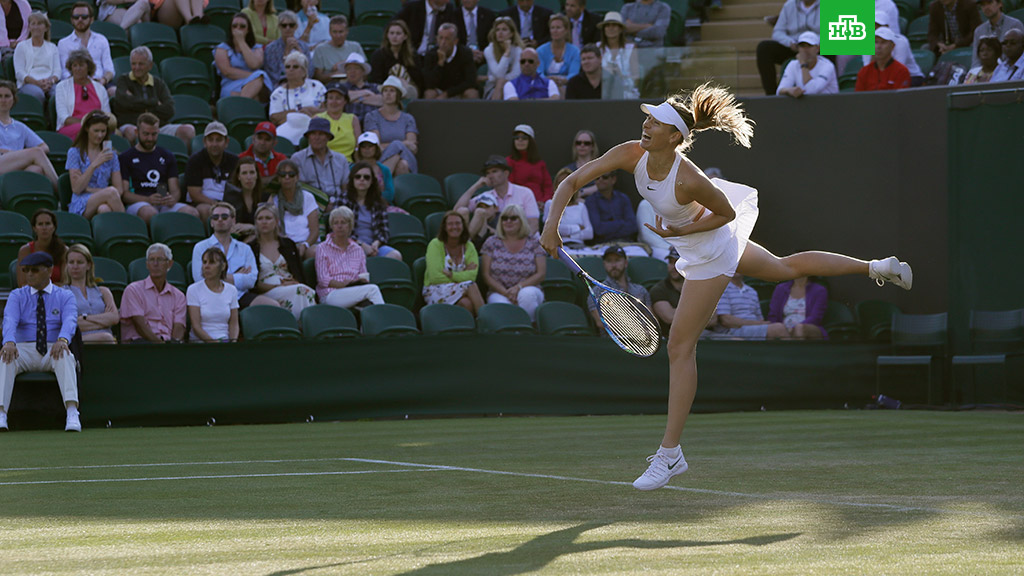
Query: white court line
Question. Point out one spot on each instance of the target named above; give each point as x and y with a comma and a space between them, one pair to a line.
215, 477
154, 464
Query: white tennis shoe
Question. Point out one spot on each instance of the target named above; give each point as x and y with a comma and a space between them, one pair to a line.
74, 423
891, 270
663, 467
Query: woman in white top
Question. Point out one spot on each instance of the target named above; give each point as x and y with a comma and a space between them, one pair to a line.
297, 100
36, 60
709, 223
296, 209
280, 267
502, 55
212, 302
618, 58
575, 227
314, 27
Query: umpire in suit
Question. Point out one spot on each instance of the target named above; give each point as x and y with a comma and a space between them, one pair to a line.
537, 16
39, 321
419, 13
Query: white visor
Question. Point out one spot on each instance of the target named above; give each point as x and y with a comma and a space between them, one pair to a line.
666, 114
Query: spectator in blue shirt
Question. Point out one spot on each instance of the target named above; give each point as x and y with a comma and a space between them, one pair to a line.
611, 212
29, 346
20, 147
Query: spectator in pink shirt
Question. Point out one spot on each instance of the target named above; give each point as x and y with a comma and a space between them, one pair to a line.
342, 279
481, 210
152, 309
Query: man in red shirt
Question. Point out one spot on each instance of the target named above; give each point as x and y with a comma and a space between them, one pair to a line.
262, 149
883, 72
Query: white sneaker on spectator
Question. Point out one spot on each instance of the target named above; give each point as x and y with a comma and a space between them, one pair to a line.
891, 270
3, 421
74, 424
663, 467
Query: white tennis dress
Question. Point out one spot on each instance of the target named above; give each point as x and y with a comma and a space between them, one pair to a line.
702, 255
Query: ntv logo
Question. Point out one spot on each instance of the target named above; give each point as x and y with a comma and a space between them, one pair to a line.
847, 28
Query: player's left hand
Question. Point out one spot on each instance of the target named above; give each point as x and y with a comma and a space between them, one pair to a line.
664, 230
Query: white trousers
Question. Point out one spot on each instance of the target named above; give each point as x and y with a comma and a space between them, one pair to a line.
530, 297
349, 296
29, 360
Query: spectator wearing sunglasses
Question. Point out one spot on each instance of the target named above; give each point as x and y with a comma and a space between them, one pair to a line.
79, 94
83, 38
274, 52
242, 270
530, 84
296, 210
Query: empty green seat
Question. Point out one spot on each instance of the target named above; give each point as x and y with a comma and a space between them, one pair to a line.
502, 318
559, 283
26, 192
120, 236
646, 271
15, 231
376, 13
323, 322
419, 194
30, 111
388, 320
115, 35
199, 40
240, 115
179, 231
455, 185
74, 229
394, 279
161, 39
268, 323
112, 274
839, 322
406, 236
187, 75
446, 319
563, 319
875, 319
191, 110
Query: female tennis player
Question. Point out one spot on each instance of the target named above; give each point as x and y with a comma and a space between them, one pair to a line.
709, 222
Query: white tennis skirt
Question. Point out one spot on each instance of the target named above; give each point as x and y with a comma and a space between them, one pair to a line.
717, 252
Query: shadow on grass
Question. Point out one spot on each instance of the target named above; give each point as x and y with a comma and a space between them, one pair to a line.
542, 550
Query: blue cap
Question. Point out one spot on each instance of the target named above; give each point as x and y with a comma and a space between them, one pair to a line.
37, 259
320, 125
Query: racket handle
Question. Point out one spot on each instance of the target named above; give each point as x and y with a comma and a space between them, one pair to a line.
568, 261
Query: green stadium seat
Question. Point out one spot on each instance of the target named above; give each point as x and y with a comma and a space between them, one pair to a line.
494, 5
553, 5
916, 340
335, 7
559, 284
112, 274
1018, 14
917, 31
455, 185
994, 335
137, 270
446, 319
59, 145
419, 271
593, 265
31, 112
59, 11
26, 192
74, 229
432, 225
646, 271
925, 59
875, 319
386, 320
502, 318
120, 236
220, 13
376, 12
115, 35
367, 36
187, 75
309, 272
958, 56
189, 109
908, 9
198, 42
601, 7
7, 68
64, 192
268, 323
840, 323
120, 144
179, 231
407, 236
161, 39
563, 319
394, 279
60, 28
326, 322
240, 115
419, 194
175, 146
15, 232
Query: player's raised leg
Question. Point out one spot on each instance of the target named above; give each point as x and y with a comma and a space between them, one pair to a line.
760, 263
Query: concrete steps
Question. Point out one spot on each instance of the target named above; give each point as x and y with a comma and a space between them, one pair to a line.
731, 30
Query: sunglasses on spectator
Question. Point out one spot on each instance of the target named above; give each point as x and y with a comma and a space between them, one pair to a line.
605, 176
291, 66
527, 61
288, 174
85, 93
509, 218
239, 26
31, 269
287, 24
222, 216
80, 16
584, 143
362, 177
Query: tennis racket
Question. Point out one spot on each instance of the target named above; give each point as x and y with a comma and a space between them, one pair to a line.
630, 324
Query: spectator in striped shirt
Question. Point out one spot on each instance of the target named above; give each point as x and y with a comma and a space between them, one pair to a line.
342, 279
739, 314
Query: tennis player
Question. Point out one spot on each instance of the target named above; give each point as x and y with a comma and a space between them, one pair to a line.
709, 222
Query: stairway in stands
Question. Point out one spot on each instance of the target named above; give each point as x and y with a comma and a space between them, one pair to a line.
739, 25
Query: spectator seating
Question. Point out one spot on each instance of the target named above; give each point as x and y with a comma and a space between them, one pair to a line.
123, 65
495, 5
925, 59
189, 109
335, 7
64, 190
419, 271
59, 28
324, 322
309, 272
161, 39
958, 56
120, 236
115, 35
563, 319
187, 75
176, 275
601, 7
386, 320
875, 319
376, 12
594, 265
175, 146
455, 185
240, 115
220, 13
908, 9
74, 229
1017, 13
59, 11
394, 279
180, 232
369, 37
120, 144
502, 318
917, 31
994, 334
15, 231
646, 271
26, 192
59, 145
559, 284
432, 224
283, 145
419, 194
446, 319
915, 333
31, 112
199, 40
406, 236
839, 322
268, 323
110, 273
233, 144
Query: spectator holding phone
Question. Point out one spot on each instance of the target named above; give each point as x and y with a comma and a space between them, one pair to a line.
149, 174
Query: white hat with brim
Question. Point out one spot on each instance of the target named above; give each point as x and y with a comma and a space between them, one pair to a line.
611, 18
370, 137
666, 114
882, 19
885, 34
396, 83
525, 129
357, 58
809, 38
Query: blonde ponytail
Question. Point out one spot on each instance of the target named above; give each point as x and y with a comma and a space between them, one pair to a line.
710, 107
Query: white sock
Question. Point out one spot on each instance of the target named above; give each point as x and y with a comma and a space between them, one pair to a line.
72, 410
671, 452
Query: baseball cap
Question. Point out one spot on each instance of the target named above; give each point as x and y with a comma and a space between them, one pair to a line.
882, 19
809, 38
673, 254
215, 128
885, 34
266, 128
525, 129
337, 87
37, 259
495, 161
370, 137
612, 250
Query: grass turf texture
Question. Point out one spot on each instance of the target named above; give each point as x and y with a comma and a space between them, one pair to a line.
767, 493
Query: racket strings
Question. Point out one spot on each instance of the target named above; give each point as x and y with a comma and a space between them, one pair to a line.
634, 330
